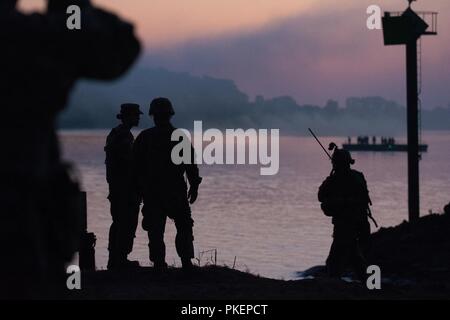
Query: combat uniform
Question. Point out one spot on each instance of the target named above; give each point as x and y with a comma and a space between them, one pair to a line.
123, 196
164, 191
345, 197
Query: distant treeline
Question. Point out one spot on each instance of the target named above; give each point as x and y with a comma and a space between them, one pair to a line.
220, 104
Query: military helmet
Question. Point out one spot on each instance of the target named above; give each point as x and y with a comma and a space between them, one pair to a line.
128, 109
161, 106
341, 157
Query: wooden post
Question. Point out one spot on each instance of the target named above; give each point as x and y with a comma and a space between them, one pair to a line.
86, 255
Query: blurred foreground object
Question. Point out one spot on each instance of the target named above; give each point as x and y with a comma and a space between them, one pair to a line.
41, 60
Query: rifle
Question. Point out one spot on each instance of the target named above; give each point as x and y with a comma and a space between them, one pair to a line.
332, 146
317, 139
369, 214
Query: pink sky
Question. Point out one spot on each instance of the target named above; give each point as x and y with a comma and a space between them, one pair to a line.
335, 58
170, 22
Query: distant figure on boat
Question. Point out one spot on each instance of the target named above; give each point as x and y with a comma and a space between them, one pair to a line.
344, 197
123, 194
386, 145
363, 140
163, 187
387, 141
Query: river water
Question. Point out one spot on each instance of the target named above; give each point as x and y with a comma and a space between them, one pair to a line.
268, 225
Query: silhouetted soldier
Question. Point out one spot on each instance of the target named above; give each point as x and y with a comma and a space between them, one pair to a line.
163, 186
40, 61
123, 195
345, 197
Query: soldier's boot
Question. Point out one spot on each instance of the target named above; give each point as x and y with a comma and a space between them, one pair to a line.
120, 261
336, 260
186, 264
184, 242
127, 264
359, 266
122, 264
111, 260
112, 246
157, 249
160, 266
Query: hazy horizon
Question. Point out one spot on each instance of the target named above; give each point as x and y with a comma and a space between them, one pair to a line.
308, 50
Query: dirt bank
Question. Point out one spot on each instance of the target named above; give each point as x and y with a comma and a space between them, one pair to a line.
414, 261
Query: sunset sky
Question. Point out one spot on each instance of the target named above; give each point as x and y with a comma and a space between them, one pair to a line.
312, 50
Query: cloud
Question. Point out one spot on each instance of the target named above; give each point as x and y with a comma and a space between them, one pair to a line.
312, 57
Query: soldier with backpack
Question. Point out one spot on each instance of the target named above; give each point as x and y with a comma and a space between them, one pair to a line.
344, 197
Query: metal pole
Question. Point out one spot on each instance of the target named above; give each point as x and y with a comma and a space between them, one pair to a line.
413, 130
83, 208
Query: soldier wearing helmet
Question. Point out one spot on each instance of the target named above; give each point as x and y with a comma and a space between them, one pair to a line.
161, 106
122, 192
344, 197
163, 187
